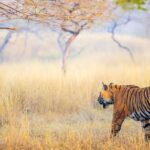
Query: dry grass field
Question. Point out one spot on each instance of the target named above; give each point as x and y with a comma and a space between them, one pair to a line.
41, 109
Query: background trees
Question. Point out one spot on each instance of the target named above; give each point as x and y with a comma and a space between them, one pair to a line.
66, 17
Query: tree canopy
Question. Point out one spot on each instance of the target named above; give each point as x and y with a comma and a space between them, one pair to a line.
132, 4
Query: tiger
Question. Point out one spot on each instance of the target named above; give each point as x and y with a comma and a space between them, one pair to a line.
128, 101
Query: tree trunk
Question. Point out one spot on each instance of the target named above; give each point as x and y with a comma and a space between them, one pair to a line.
64, 64
4, 44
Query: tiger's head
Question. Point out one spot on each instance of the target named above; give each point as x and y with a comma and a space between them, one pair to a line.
106, 96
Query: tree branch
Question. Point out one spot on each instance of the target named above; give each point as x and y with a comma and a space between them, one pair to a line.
6, 41
113, 36
7, 28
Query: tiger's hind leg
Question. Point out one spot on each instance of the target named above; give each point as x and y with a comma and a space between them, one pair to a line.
146, 128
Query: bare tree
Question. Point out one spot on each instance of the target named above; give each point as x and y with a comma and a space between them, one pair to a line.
68, 18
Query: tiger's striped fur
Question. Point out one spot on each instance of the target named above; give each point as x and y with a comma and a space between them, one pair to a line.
129, 101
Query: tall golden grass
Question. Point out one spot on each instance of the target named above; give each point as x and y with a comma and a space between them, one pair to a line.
42, 109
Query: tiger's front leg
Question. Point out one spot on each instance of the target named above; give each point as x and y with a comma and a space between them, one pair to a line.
146, 128
118, 118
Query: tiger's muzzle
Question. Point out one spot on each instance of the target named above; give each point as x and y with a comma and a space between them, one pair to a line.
103, 102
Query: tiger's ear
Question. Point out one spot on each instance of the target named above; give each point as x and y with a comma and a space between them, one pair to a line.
105, 87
